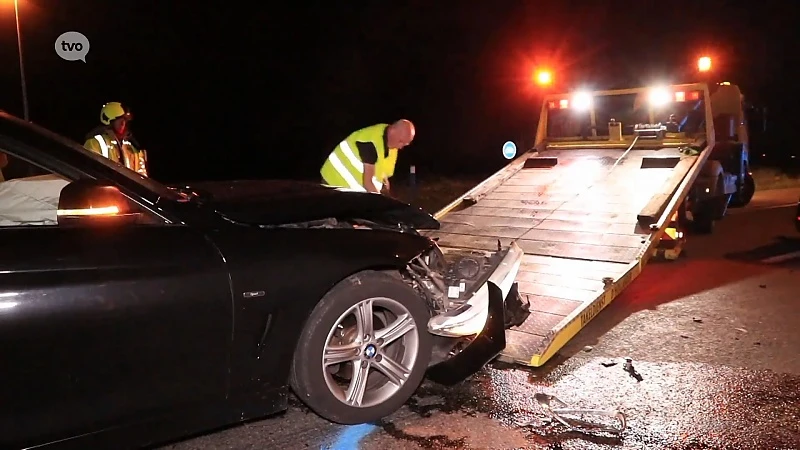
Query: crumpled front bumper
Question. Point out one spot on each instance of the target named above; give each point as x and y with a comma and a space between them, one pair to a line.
471, 317
496, 307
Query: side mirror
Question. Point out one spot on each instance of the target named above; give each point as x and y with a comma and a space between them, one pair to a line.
92, 203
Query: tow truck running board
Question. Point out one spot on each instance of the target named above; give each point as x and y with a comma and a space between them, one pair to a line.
525, 349
655, 207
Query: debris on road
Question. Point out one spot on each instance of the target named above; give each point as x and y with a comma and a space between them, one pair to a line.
561, 409
628, 367
741, 329
588, 348
609, 363
697, 320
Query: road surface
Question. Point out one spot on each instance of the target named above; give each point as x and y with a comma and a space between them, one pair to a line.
714, 338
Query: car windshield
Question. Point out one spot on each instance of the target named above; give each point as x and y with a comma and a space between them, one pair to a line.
162, 191
682, 112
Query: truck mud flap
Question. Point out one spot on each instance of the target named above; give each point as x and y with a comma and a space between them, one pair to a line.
489, 343
540, 162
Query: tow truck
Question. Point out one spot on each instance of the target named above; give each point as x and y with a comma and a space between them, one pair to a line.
615, 178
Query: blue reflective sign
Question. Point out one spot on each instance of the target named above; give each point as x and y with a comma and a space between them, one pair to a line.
509, 150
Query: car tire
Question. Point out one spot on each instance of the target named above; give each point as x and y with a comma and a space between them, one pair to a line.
312, 383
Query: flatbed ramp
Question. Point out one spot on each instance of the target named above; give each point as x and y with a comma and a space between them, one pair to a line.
587, 220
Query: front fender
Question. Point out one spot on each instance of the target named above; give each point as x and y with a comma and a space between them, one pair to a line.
303, 264
277, 276
378, 247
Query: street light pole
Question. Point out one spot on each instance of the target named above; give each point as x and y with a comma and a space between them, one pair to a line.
21, 64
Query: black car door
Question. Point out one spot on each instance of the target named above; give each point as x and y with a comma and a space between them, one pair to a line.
104, 325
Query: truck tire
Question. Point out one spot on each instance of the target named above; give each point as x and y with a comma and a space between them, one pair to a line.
706, 211
745, 193
709, 211
703, 221
712, 169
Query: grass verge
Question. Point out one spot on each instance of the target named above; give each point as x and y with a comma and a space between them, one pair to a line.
769, 178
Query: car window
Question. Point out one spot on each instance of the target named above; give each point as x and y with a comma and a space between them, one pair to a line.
150, 184
159, 189
29, 196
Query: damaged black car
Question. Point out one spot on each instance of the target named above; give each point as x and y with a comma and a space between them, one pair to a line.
136, 312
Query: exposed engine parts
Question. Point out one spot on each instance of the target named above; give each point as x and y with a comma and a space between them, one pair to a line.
447, 284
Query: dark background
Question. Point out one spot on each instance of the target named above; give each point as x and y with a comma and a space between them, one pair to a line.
264, 90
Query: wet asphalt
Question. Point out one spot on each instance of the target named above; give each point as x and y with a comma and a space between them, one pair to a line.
714, 340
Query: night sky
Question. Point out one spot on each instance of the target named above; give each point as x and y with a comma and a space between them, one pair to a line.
263, 90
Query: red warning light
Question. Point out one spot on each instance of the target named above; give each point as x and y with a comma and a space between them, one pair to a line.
544, 77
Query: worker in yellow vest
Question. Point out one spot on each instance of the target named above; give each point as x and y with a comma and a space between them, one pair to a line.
114, 139
365, 160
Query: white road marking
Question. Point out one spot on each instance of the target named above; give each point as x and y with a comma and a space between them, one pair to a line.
781, 258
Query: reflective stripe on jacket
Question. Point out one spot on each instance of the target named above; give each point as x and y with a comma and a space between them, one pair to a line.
344, 168
125, 154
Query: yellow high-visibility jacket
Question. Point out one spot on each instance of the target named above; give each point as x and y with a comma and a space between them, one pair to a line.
344, 167
121, 151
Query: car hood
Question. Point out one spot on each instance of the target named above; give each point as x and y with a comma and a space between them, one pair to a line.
277, 202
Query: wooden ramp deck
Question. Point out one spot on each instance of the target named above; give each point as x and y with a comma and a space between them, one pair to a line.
577, 224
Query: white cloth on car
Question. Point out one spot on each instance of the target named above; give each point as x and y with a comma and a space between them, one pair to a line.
31, 200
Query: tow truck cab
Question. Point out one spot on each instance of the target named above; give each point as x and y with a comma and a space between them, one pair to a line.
732, 141
690, 117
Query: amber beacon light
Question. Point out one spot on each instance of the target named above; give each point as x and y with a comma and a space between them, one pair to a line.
704, 64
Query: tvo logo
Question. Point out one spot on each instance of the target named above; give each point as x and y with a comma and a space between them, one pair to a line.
72, 46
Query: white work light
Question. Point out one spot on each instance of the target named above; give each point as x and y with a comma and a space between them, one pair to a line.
582, 101
659, 96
